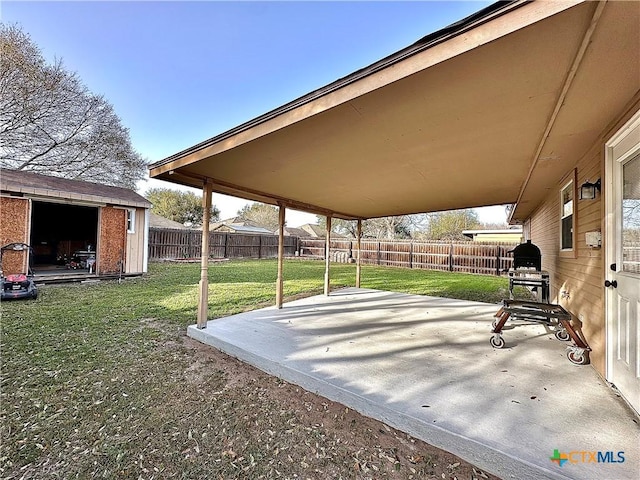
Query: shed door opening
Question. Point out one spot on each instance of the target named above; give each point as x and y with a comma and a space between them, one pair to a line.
63, 236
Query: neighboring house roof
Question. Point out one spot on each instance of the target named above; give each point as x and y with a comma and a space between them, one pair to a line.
236, 228
294, 232
316, 231
161, 222
313, 230
36, 185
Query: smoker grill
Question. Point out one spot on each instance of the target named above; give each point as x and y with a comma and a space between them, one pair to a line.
527, 255
527, 271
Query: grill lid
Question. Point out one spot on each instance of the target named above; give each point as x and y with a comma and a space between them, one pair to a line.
527, 255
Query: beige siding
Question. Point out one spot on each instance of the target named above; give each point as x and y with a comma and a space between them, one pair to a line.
580, 275
135, 244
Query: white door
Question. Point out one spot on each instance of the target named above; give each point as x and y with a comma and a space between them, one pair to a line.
623, 256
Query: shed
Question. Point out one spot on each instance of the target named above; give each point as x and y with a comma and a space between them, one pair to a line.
70, 224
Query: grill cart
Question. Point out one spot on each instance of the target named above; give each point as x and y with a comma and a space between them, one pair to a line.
527, 271
19, 285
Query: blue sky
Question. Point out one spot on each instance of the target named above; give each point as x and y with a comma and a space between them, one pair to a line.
179, 73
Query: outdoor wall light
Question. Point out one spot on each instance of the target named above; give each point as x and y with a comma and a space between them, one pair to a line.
588, 190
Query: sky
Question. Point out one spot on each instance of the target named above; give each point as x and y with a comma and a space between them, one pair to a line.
178, 73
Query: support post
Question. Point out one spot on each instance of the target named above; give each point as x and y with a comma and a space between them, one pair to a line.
203, 297
280, 281
327, 249
358, 246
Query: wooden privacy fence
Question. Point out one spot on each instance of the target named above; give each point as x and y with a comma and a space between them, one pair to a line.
468, 257
171, 244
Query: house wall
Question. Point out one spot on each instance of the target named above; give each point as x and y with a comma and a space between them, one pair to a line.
577, 277
498, 237
112, 230
15, 220
136, 244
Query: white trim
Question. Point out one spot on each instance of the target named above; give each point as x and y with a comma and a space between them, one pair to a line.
131, 220
618, 148
563, 216
145, 241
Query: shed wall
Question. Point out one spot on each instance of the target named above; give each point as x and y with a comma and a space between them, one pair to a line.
577, 279
136, 245
15, 219
111, 239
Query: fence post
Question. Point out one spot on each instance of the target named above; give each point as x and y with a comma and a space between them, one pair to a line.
498, 261
451, 257
378, 253
259, 246
410, 254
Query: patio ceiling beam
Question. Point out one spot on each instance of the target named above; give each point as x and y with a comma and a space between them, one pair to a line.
226, 188
571, 74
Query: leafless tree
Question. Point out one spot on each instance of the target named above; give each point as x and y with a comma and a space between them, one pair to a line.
51, 123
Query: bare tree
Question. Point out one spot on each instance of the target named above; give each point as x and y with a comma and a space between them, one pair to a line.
50, 123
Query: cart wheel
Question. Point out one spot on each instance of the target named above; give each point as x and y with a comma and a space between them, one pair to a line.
496, 341
494, 323
578, 357
562, 335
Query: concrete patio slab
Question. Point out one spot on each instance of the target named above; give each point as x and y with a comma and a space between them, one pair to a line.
424, 365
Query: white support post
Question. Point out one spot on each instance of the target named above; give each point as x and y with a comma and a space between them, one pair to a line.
203, 297
280, 279
327, 248
358, 243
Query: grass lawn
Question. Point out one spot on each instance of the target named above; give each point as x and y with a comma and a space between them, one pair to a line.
99, 381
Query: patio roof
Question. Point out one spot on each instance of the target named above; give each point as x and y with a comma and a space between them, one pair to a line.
491, 110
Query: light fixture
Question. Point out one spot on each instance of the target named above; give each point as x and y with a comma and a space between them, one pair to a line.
588, 190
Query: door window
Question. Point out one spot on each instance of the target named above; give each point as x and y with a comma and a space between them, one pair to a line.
631, 216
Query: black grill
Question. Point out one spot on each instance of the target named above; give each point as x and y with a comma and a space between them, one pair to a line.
527, 255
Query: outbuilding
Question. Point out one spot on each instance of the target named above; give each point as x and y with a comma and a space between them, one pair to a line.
73, 227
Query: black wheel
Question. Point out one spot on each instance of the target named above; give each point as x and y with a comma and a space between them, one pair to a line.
578, 358
562, 335
494, 323
496, 341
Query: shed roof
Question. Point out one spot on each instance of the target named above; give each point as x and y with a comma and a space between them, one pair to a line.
491, 110
63, 189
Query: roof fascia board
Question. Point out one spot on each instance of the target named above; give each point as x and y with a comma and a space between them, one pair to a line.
411, 60
225, 188
54, 196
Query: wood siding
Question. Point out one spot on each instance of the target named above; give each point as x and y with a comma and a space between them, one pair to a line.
111, 240
577, 279
15, 219
135, 244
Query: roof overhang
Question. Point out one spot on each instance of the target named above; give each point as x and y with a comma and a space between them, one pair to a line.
492, 110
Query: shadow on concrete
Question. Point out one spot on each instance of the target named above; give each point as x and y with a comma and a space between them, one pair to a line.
424, 365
